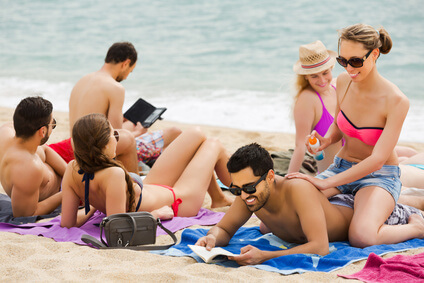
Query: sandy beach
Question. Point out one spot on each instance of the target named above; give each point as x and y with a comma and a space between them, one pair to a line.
32, 258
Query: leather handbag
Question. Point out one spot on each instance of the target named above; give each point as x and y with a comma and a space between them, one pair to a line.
129, 230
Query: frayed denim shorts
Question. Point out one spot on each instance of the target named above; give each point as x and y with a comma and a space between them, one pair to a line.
387, 178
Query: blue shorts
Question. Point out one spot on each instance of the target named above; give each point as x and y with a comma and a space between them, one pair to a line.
387, 178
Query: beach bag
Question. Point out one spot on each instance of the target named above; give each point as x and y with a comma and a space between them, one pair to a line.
281, 160
129, 230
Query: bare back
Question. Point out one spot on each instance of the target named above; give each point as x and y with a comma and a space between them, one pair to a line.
288, 221
97, 92
25, 176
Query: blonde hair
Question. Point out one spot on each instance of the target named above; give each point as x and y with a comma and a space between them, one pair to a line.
300, 84
368, 36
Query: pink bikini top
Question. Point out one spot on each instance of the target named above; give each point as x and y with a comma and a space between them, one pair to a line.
326, 118
368, 135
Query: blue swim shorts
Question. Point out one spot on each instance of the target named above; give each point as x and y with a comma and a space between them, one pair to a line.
387, 178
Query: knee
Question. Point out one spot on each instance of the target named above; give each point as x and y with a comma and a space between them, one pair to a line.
362, 236
195, 133
126, 142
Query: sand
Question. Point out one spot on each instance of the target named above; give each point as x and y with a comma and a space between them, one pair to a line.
33, 258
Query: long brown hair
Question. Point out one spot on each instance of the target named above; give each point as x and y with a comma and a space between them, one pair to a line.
90, 135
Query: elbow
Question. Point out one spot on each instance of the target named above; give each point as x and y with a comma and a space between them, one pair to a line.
321, 248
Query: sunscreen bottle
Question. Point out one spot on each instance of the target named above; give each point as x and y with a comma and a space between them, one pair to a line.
314, 144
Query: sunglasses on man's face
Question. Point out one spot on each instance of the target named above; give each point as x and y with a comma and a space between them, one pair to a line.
116, 135
53, 123
354, 62
249, 189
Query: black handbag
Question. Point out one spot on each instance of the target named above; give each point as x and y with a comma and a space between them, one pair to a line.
129, 230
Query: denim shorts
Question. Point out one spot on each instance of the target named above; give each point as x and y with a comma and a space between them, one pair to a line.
387, 178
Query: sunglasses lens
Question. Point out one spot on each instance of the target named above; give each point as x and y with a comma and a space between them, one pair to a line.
356, 62
116, 134
342, 61
249, 190
235, 191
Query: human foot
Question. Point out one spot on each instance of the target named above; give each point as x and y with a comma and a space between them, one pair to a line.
222, 201
418, 221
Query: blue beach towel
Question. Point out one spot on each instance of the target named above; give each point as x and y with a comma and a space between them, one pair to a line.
341, 253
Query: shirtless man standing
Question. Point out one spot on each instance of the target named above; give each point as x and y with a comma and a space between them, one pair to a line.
102, 92
293, 210
30, 172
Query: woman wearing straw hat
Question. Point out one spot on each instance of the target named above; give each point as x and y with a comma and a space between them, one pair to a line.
315, 101
370, 114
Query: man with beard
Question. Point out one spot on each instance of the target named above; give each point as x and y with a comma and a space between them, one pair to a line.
31, 172
102, 92
293, 210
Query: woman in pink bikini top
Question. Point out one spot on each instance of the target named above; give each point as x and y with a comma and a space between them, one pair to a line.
315, 101
370, 114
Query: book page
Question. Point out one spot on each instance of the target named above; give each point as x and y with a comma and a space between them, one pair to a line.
212, 255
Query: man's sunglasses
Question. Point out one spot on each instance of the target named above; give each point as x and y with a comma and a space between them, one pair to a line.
47, 125
116, 135
354, 62
249, 189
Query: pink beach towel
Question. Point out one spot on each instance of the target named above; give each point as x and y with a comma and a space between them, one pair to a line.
400, 268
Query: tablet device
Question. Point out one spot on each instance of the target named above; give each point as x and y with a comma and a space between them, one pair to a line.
143, 112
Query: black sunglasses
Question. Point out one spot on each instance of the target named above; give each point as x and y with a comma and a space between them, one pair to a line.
116, 134
47, 125
249, 189
354, 62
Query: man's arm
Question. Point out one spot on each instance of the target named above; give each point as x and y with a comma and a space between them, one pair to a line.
54, 160
311, 219
27, 180
221, 233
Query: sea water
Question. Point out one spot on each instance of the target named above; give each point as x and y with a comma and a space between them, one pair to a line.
223, 63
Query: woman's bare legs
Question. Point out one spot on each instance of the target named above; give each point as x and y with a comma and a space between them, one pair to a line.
198, 178
372, 207
173, 161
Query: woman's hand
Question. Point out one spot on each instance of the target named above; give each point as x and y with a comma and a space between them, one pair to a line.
163, 213
324, 142
318, 183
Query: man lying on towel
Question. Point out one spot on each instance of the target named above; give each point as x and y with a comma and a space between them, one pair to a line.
31, 172
294, 210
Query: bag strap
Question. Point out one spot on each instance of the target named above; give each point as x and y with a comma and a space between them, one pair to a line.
103, 245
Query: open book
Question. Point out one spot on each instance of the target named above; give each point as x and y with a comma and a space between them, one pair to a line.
143, 112
214, 255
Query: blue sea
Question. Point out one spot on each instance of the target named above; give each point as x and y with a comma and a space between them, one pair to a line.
223, 63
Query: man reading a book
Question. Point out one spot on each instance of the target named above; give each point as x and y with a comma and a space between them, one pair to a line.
102, 92
293, 210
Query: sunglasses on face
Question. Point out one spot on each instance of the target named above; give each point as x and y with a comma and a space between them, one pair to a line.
47, 125
249, 189
354, 62
116, 135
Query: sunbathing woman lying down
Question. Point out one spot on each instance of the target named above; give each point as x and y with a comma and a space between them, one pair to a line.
176, 184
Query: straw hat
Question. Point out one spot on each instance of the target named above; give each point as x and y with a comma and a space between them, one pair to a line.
314, 58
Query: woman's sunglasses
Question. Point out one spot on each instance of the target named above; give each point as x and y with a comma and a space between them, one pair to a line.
249, 189
116, 135
354, 62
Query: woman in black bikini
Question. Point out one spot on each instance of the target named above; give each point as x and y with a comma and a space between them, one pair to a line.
176, 184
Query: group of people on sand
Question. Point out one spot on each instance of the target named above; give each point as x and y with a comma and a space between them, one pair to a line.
356, 195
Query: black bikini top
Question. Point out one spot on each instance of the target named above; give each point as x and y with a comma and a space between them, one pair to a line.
90, 176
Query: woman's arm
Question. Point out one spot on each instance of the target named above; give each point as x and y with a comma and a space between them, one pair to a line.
304, 116
70, 200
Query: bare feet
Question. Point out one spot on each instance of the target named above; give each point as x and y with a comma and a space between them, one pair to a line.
418, 221
222, 201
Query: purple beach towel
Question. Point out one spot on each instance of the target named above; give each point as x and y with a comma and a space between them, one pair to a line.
52, 229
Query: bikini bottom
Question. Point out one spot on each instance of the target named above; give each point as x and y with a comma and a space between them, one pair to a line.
177, 201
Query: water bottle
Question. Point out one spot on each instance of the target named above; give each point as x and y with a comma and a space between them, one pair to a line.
314, 144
